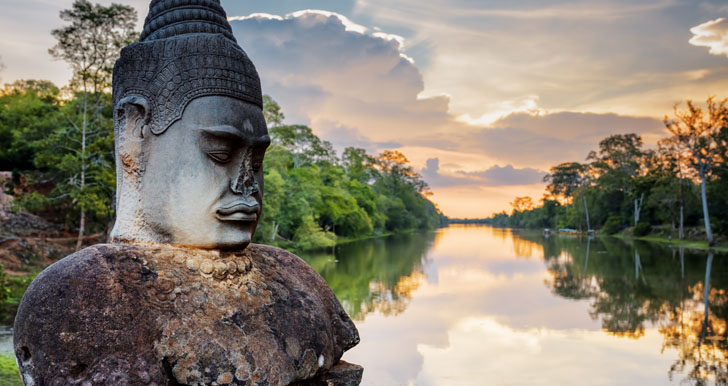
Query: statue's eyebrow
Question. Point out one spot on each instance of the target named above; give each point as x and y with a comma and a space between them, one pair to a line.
262, 141
225, 131
233, 133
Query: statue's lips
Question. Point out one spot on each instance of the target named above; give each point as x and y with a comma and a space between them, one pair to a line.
239, 212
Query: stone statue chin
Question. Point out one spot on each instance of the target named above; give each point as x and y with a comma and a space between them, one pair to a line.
181, 297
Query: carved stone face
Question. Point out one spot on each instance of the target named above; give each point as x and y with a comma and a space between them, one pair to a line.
203, 180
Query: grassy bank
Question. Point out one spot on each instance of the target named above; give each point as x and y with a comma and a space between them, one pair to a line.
9, 375
347, 240
690, 244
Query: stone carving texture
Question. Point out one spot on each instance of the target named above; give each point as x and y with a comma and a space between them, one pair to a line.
182, 297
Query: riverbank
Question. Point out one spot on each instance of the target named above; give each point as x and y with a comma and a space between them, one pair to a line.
289, 245
690, 244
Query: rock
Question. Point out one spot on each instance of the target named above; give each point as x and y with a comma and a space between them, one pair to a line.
160, 315
343, 374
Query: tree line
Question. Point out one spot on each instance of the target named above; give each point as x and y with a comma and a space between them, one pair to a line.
682, 183
59, 144
313, 195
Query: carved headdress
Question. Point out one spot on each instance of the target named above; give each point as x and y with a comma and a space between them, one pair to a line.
187, 50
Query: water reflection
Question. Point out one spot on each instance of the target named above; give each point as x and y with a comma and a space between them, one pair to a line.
375, 275
631, 287
476, 305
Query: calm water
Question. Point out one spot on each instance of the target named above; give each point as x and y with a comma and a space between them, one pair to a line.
470, 305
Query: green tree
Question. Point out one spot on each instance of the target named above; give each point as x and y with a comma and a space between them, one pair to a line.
303, 144
359, 165
619, 161
28, 114
566, 181
90, 44
313, 196
697, 131
674, 159
272, 112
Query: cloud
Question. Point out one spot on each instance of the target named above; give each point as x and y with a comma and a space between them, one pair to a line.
497, 59
509, 176
571, 126
712, 34
491, 177
322, 68
547, 139
342, 137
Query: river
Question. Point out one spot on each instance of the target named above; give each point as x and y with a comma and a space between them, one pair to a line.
475, 305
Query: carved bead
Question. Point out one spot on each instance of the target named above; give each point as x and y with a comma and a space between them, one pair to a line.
207, 267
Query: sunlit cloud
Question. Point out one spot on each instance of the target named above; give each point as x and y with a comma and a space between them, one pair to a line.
712, 34
258, 15
502, 109
349, 25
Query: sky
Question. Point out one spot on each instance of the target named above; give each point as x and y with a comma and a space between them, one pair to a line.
482, 96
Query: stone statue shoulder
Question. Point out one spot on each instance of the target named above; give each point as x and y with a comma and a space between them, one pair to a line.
158, 315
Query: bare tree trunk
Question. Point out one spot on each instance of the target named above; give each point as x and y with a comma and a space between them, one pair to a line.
681, 198
681, 232
586, 208
82, 222
637, 264
638, 208
706, 216
81, 230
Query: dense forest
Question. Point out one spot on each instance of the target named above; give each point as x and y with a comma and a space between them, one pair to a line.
681, 187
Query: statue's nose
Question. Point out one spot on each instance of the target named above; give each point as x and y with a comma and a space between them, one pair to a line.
244, 183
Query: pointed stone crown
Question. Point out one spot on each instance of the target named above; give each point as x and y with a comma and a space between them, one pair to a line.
168, 18
187, 50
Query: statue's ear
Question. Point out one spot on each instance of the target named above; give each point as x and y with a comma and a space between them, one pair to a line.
132, 117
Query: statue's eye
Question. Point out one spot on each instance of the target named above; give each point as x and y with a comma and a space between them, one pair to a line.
219, 156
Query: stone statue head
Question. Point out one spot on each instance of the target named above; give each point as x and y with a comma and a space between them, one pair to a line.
189, 130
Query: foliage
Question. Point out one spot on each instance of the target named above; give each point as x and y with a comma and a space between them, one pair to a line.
28, 113
642, 229
92, 42
272, 112
40, 136
613, 225
565, 179
309, 235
